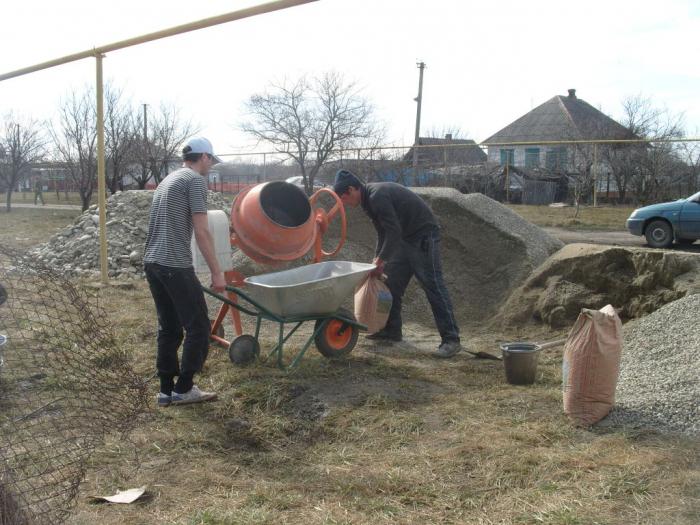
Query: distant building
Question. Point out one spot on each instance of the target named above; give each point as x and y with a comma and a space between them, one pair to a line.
447, 151
561, 118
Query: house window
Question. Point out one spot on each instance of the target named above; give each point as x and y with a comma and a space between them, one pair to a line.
556, 159
507, 157
532, 157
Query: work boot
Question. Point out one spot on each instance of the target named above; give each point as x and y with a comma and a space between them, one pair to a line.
448, 349
383, 335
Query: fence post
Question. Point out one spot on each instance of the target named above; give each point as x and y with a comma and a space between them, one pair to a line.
264, 167
595, 175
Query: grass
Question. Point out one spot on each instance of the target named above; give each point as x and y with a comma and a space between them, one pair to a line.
389, 436
26, 227
608, 218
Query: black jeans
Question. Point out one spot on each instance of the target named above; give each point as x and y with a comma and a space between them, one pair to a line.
422, 259
180, 305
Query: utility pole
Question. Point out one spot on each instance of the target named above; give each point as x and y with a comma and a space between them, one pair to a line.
145, 139
418, 99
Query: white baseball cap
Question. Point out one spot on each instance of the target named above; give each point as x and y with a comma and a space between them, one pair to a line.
200, 145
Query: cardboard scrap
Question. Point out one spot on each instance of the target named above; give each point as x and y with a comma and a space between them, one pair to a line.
122, 496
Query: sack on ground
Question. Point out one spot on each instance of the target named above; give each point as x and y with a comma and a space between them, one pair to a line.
372, 304
591, 365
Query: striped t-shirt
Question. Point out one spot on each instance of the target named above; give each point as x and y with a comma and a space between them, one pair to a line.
177, 197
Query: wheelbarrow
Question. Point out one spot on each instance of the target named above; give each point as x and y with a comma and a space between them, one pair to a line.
292, 297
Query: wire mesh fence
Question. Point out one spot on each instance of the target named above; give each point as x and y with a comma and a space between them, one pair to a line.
64, 384
611, 171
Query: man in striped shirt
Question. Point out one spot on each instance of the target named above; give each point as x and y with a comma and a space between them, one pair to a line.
180, 208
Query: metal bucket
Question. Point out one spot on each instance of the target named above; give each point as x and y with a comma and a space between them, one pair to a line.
520, 362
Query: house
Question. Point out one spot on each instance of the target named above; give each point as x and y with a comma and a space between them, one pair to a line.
433, 152
526, 142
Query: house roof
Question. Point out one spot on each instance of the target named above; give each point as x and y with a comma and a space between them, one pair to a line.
460, 151
562, 118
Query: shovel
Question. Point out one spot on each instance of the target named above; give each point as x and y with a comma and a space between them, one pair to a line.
483, 355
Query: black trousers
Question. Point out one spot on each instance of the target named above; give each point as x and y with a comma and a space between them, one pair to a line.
180, 305
422, 259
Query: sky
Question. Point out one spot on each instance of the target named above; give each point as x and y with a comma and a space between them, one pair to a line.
488, 63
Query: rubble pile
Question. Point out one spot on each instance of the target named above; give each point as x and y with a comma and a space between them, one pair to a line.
76, 249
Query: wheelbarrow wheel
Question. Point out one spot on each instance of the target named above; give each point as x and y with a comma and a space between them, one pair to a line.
243, 350
336, 339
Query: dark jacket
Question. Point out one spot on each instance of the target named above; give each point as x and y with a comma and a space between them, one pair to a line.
397, 214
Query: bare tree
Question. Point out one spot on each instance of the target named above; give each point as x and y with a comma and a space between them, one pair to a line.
21, 144
645, 168
120, 137
159, 144
74, 138
312, 120
690, 155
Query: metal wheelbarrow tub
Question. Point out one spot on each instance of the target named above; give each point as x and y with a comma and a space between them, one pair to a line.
315, 289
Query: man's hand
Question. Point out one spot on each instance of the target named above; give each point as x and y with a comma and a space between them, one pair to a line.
218, 283
379, 270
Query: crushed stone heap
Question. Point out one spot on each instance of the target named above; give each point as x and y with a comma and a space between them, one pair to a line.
636, 281
76, 249
659, 384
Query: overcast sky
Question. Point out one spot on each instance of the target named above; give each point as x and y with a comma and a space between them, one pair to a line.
488, 63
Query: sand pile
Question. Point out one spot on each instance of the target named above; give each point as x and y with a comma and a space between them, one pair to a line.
635, 281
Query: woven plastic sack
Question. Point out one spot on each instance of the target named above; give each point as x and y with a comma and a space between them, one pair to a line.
591, 365
372, 304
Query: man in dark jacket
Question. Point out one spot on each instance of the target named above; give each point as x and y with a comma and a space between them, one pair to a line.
408, 244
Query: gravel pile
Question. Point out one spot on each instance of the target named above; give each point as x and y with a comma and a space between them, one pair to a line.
659, 383
76, 249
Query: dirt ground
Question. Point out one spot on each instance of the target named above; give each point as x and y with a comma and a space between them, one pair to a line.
389, 435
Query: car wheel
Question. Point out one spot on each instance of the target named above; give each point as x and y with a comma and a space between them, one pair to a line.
659, 234
685, 242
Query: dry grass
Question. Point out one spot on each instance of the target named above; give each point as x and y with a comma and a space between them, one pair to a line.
26, 227
389, 436
609, 218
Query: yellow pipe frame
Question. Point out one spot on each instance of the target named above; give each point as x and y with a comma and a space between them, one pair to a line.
99, 53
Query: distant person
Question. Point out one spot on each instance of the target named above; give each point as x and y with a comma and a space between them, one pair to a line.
408, 244
38, 191
179, 208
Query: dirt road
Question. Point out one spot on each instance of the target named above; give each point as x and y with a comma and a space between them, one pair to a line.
617, 238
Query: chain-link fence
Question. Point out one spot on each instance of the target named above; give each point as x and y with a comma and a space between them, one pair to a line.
605, 171
64, 384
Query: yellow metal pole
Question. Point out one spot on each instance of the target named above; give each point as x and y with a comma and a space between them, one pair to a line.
101, 186
184, 28
595, 175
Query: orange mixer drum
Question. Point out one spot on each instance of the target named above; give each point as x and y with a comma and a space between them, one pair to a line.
273, 222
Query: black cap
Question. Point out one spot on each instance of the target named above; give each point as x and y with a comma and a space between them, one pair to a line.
343, 180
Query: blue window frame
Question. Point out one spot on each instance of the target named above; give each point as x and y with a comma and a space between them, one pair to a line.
532, 157
507, 157
556, 158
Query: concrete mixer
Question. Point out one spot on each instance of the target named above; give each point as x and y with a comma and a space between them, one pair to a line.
272, 223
